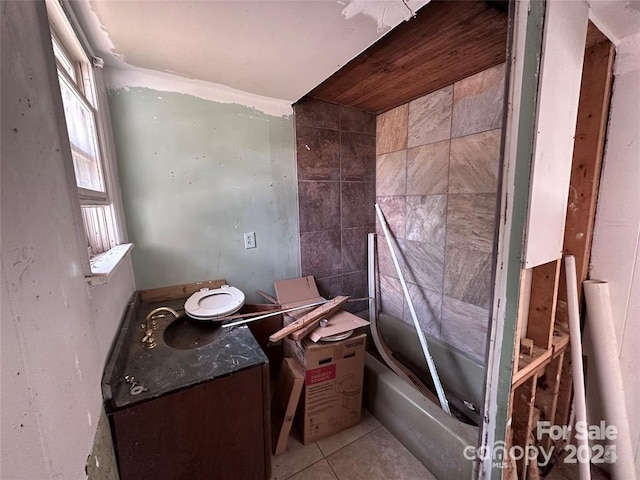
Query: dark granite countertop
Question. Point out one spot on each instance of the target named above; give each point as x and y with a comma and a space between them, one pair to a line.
164, 369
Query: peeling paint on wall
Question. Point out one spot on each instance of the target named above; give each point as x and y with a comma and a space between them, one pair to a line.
386, 14
165, 82
196, 175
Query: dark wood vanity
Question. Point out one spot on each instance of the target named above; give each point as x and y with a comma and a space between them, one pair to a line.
205, 414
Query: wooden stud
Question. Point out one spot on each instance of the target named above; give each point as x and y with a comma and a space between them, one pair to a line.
311, 318
547, 392
526, 346
542, 305
523, 417
593, 113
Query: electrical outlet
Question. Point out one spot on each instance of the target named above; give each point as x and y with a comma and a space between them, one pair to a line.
250, 240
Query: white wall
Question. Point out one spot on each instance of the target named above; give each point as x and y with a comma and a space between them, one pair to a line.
55, 332
615, 254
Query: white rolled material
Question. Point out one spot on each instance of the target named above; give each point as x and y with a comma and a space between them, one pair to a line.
579, 399
607, 366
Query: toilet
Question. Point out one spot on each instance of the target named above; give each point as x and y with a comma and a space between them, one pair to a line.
212, 304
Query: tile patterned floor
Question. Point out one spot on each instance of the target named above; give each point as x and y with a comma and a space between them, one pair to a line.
364, 452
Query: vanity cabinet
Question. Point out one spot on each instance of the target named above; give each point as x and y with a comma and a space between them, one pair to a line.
197, 412
216, 430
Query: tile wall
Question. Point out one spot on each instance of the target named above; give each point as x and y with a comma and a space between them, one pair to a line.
336, 159
437, 163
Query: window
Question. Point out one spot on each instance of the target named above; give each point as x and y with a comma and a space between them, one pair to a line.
86, 130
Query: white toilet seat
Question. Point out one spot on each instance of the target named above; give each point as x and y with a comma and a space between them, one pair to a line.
209, 304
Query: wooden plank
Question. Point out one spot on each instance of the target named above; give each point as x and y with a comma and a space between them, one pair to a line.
542, 304
531, 365
526, 346
285, 402
593, 113
522, 425
594, 36
547, 393
315, 315
175, 292
446, 42
523, 302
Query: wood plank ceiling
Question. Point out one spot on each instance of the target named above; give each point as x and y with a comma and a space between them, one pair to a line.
446, 42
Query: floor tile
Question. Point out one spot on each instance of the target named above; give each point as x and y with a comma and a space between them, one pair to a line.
318, 471
296, 458
335, 442
377, 456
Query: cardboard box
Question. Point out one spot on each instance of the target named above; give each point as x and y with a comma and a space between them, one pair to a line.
332, 393
284, 403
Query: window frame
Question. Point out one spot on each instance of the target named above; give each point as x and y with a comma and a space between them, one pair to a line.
101, 213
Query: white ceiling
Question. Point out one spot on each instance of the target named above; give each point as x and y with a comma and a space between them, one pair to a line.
280, 49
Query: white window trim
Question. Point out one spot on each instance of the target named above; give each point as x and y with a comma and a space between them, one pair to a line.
100, 267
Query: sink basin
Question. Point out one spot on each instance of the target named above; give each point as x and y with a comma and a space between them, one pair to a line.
186, 334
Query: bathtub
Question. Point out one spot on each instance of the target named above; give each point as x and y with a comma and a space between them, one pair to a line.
435, 438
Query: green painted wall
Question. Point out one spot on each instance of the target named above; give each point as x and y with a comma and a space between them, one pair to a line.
195, 175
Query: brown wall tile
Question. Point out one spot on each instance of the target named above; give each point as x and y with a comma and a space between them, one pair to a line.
319, 206
358, 199
316, 113
321, 253
318, 153
354, 249
357, 157
357, 121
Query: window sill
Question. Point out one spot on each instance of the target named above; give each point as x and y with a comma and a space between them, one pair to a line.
104, 264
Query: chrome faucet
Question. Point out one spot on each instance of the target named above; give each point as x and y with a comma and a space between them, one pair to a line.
150, 324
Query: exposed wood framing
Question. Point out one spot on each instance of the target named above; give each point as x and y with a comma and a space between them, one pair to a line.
523, 418
542, 304
542, 381
593, 112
